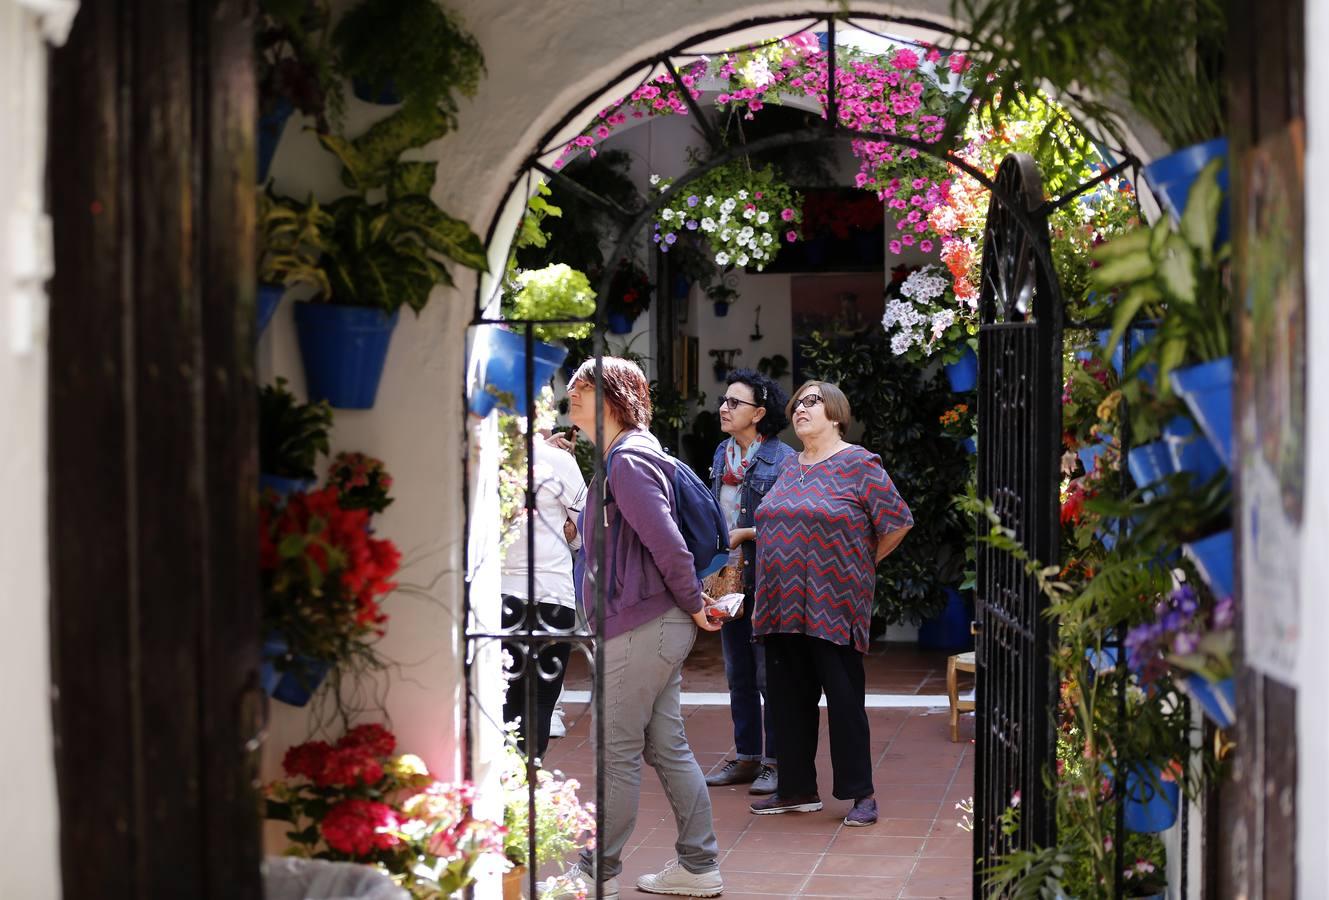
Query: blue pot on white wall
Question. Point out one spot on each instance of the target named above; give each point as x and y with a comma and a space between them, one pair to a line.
963, 373
1171, 177
344, 349
1207, 390
265, 302
504, 377
296, 679
1212, 556
270, 129
1218, 699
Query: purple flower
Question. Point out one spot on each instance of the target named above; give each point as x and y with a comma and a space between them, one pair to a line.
670, 238
1223, 612
693, 200
1185, 643
692, 224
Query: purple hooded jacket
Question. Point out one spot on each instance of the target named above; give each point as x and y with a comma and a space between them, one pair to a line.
650, 570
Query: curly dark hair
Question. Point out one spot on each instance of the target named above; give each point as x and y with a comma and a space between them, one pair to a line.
769, 394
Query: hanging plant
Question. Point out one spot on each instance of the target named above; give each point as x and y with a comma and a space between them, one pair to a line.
923, 318
554, 292
629, 291
742, 213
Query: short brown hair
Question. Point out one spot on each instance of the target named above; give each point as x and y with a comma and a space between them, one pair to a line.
627, 394
837, 405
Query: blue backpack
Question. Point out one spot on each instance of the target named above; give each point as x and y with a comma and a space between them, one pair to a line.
696, 512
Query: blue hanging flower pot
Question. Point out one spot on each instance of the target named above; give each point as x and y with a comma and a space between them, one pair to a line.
950, 629
270, 128
1218, 699
1207, 390
290, 679
505, 370
1149, 463
265, 303
963, 374
1149, 803
1213, 557
344, 349
1171, 178
618, 323
284, 486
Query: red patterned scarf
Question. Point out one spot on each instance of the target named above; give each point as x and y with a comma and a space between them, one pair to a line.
736, 461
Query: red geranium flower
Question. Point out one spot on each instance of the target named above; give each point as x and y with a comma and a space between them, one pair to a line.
357, 827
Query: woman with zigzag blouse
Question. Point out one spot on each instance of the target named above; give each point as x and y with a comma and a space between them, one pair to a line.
832, 515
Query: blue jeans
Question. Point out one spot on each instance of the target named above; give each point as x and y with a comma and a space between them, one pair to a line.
745, 670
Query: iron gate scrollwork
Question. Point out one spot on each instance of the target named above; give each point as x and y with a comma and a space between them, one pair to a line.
1020, 374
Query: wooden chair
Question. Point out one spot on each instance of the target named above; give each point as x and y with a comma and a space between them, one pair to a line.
960, 662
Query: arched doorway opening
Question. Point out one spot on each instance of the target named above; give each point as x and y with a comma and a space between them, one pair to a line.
1021, 314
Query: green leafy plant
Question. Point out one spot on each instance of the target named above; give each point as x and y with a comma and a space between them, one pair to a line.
1172, 274
362, 482
554, 292
414, 47
576, 235
390, 253
294, 60
292, 240
291, 434
563, 824
1163, 61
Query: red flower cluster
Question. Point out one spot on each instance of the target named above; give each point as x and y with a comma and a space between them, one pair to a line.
336, 598
355, 759
839, 211
357, 826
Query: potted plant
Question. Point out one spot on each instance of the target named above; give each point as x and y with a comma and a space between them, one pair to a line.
290, 246
380, 256
294, 71
1174, 275
629, 296
291, 435
361, 481
743, 214
923, 319
412, 52
722, 294
322, 576
1195, 638
552, 293
563, 824
354, 801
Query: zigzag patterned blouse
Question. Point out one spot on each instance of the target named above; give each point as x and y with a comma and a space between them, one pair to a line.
817, 536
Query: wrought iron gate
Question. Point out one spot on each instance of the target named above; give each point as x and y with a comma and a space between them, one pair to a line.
1020, 373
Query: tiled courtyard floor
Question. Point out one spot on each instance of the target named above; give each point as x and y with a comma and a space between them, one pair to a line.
915, 850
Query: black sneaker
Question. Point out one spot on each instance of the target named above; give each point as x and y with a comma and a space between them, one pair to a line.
775, 804
765, 781
736, 771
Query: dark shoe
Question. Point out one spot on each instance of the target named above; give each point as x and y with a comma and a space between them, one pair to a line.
765, 781
863, 813
736, 771
775, 804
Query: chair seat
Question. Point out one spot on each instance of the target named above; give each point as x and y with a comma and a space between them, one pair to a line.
959, 662
965, 659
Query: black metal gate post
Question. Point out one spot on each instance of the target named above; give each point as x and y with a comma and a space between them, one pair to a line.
1020, 375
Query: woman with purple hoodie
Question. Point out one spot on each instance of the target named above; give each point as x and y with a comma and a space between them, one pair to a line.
653, 608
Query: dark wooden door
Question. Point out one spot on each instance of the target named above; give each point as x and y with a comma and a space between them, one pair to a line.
154, 593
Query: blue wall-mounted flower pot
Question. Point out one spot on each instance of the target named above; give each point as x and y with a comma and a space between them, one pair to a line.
298, 677
1213, 557
1190, 450
1089, 454
265, 303
1218, 699
950, 629
505, 371
270, 128
618, 323
1207, 390
1137, 337
284, 486
1149, 463
1149, 804
344, 349
963, 373
721, 309
970, 445
681, 286
1171, 178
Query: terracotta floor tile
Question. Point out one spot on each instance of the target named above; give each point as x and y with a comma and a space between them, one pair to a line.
852, 842
959, 847
764, 861
764, 883
952, 869
938, 889
876, 866
901, 827
852, 886
782, 841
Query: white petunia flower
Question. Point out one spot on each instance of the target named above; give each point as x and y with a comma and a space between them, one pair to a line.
709, 201
763, 217
726, 235
655, 179
722, 258
742, 195
708, 224
742, 259
767, 240
667, 214
728, 205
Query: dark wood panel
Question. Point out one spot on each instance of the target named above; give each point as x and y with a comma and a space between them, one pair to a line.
154, 584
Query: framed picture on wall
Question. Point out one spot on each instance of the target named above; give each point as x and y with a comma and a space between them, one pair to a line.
837, 305
687, 351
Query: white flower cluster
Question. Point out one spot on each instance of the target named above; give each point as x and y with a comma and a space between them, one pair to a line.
738, 230
917, 319
924, 285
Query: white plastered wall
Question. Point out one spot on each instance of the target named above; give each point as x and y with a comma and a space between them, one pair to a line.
29, 830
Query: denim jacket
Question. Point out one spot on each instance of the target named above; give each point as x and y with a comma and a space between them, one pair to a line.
771, 457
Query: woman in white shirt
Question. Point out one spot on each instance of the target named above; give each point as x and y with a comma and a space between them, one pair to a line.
560, 492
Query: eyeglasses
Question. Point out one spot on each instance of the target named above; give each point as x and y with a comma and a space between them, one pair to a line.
808, 401
734, 403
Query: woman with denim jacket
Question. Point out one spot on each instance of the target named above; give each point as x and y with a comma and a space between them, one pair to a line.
745, 466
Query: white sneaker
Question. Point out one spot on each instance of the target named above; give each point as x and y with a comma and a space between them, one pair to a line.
576, 882
556, 727
674, 879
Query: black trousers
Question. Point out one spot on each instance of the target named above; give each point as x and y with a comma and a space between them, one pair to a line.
553, 665
799, 669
